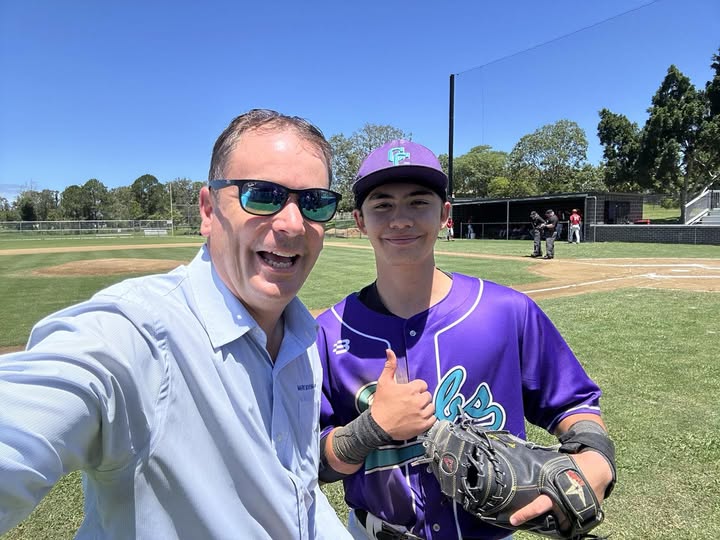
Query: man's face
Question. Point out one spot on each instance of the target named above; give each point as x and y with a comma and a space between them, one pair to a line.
264, 260
402, 222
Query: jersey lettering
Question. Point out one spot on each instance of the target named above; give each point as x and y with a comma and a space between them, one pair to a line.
449, 404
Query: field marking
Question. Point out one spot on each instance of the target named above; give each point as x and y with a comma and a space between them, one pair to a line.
665, 276
659, 265
75, 249
583, 284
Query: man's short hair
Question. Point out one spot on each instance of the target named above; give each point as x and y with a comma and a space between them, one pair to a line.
269, 119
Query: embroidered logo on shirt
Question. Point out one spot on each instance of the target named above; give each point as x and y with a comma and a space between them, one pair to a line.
341, 346
306, 386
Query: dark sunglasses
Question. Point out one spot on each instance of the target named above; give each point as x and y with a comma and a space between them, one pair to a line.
263, 198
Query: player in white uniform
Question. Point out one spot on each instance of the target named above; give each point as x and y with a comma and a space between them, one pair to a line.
459, 345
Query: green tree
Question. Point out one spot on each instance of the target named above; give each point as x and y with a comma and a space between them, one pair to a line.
46, 204
621, 140
122, 204
6, 212
26, 208
185, 194
502, 187
95, 199
72, 202
550, 156
589, 178
677, 152
348, 154
669, 146
150, 194
708, 144
473, 172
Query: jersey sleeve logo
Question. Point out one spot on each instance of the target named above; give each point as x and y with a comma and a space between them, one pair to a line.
341, 346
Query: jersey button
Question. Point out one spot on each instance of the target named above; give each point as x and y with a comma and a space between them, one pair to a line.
436, 527
413, 333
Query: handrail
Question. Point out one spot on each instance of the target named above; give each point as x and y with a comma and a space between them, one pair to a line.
702, 194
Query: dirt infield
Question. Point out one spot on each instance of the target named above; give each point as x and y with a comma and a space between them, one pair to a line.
565, 277
579, 276
104, 267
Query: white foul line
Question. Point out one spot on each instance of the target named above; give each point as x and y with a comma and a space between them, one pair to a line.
584, 284
587, 283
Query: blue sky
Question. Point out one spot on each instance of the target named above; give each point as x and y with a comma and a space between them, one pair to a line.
116, 90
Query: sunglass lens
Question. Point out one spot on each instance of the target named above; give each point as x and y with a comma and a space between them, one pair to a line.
262, 198
318, 204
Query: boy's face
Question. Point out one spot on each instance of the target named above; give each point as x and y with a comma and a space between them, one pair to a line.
403, 222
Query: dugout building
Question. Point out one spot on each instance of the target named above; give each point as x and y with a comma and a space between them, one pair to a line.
510, 218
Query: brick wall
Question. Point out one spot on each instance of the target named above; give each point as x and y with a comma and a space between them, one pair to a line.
660, 234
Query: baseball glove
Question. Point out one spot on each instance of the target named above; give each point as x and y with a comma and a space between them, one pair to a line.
492, 474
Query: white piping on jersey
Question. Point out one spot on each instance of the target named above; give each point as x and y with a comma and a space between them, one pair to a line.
405, 467
437, 368
451, 325
363, 334
556, 420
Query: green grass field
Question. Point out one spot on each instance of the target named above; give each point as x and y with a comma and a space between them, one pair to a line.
654, 353
658, 215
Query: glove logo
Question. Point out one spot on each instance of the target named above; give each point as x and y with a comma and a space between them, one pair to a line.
576, 486
448, 464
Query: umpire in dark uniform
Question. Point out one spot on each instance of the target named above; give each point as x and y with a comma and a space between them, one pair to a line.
537, 223
550, 232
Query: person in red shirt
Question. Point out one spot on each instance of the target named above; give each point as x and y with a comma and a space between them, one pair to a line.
575, 221
450, 232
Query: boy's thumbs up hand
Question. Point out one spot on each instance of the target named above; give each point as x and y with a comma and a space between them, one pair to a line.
402, 410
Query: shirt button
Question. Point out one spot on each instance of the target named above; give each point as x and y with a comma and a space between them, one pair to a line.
413, 333
436, 527
279, 437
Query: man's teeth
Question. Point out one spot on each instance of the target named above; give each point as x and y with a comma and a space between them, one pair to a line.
278, 259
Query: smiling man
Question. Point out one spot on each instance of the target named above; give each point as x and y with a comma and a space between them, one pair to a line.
190, 400
420, 344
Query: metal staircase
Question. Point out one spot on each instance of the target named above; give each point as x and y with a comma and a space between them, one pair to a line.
711, 218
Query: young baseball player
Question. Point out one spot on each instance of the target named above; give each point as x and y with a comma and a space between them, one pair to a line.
420, 344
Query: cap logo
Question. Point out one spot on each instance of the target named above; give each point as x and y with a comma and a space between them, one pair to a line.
397, 154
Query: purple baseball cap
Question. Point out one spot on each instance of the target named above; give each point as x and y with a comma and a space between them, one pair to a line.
399, 161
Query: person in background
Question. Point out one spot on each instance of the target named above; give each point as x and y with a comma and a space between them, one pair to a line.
190, 400
550, 232
575, 221
450, 229
420, 344
537, 223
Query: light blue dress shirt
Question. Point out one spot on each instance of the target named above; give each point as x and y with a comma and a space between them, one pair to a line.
161, 391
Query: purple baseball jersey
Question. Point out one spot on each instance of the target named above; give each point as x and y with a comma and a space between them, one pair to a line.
485, 350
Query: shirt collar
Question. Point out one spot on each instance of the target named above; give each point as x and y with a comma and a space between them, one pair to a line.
226, 319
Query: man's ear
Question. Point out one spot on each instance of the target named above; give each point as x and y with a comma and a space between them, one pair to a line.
359, 220
206, 204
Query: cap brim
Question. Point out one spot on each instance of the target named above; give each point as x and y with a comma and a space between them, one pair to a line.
416, 174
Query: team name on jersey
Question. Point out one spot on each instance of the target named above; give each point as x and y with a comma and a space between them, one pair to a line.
450, 402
